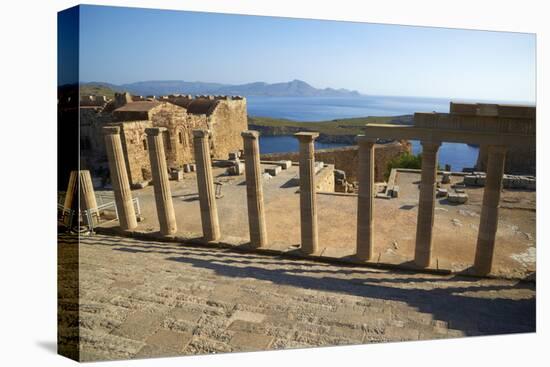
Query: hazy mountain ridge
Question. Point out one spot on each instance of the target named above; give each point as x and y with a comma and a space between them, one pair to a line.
294, 88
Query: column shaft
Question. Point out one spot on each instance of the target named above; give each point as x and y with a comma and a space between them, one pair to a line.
87, 197
161, 183
254, 189
71, 190
119, 178
488, 223
308, 207
365, 199
205, 183
69, 196
426, 205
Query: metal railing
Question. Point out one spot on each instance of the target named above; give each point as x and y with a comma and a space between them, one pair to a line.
93, 218
64, 216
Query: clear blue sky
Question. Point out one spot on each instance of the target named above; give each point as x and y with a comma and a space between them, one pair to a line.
122, 45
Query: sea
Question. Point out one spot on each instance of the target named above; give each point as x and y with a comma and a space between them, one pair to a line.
459, 156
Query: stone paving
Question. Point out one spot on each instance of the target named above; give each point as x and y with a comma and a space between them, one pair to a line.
146, 299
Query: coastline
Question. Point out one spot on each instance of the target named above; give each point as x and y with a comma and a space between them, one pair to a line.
338, 131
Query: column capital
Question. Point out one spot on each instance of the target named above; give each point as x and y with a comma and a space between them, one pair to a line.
306, 136
155, 131
250, 134
497, 149
201, 133
111, 130
362, 139
430, 144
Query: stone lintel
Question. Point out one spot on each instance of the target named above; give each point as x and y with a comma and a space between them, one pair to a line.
306, 136
497, 148
408, 132
154, 131
492, 109
430, 144
250, 134
200, 133
111, 130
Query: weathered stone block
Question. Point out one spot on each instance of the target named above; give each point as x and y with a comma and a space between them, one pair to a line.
339, 174
470, 180
273, 171
480, 180
446, 178
284, 164
140, 185
441, 193
176, 175
239, 168
457, 198
236, 170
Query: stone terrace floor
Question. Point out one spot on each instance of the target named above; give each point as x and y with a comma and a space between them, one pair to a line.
455, 226
142, 299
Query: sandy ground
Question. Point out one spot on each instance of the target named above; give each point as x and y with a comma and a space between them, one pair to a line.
139, 299
455, 232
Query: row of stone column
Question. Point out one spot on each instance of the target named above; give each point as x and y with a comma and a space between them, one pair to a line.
205, 184
308, 209
426, 205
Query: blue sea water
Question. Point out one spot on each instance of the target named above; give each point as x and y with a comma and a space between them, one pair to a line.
329, 108
458, 156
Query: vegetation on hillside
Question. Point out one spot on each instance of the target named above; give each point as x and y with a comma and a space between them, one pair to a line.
350, 126
96, 90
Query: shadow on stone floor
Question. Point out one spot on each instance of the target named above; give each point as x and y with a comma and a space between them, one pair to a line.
474, 315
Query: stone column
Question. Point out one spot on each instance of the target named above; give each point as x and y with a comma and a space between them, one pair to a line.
205, 182
365, 199
69, 196
308, 210
161, 183
119, 178
426, 204
71, 189
87, 196
254, 189
489, 210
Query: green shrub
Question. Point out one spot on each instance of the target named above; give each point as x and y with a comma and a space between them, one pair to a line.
405, 160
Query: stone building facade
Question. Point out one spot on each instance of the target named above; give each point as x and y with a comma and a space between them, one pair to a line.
224, 116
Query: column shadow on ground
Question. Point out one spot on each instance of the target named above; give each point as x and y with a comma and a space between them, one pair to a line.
458, 305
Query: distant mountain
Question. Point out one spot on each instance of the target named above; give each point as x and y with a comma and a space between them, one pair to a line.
295, 88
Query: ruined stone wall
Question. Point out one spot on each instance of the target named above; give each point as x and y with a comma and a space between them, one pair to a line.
324, 179
346, 158
227, 121
178, 143
134, 143
92, 144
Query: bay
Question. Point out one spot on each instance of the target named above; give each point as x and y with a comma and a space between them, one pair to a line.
459, 156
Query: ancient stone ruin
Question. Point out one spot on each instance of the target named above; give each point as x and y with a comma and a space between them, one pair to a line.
495, 127
224, 116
